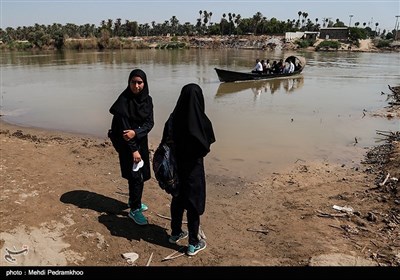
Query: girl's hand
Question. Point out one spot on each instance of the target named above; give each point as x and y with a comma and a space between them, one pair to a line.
129, 134
137, 157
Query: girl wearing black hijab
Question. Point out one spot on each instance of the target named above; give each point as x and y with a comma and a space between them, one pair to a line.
192, 135
132, 121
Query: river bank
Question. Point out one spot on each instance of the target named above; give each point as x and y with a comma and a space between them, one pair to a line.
262, 42
64, 200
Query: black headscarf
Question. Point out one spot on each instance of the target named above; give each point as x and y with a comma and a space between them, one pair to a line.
134, 106
190, 121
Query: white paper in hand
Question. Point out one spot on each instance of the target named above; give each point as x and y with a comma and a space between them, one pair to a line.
137, 165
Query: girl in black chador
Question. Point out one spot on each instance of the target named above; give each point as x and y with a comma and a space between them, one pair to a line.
131, 123
192, 135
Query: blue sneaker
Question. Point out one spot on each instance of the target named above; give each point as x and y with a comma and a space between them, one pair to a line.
194, 249
175, 238
144, 206
138, 217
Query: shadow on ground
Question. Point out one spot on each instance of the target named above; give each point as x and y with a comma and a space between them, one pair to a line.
113, 216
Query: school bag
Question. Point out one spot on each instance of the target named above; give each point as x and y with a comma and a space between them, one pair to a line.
164, 164
164, 167
115, 140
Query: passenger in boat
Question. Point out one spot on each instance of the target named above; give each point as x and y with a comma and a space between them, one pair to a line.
286, 68
267, 66
274, 67
258, 68
291, 67
279, 67
297, 66
263, 64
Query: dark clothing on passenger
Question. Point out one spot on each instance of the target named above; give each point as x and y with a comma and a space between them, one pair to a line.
279, 67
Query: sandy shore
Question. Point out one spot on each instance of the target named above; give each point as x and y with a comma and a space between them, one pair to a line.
64, 200
63, 203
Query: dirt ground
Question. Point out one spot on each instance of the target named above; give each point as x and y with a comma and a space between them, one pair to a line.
63, 203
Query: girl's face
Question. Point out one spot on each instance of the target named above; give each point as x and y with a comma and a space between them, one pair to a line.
136, 84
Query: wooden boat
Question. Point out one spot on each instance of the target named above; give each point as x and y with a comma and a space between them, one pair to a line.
234, 76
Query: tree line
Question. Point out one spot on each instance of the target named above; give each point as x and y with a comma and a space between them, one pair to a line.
56, 35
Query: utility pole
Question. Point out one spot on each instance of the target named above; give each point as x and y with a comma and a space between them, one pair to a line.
396, 27
350, 20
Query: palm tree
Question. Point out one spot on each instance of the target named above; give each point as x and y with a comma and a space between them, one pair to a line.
305, 15
222, 23
117, 26
256, 20
174, 24
205, 17
109, 25
263, 23
237, 22
230, 23
103, 24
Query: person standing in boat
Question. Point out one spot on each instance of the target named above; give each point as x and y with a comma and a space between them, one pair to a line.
258, 68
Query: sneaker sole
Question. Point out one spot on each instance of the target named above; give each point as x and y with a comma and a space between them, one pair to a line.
140, 224
195, 252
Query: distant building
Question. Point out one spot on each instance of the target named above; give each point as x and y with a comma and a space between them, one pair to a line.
311, 35
340, 33
396, 35
291, 36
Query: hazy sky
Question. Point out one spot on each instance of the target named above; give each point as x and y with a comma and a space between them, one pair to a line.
16, 13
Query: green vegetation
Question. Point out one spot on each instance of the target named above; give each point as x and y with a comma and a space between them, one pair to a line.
305, 43
381, 43
328, 44
20, 45
116, 34
357, 33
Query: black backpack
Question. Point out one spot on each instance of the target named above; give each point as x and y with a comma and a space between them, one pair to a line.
164, 167
114, 139
164, 163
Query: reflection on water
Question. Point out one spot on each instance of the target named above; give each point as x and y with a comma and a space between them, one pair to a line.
288, 85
